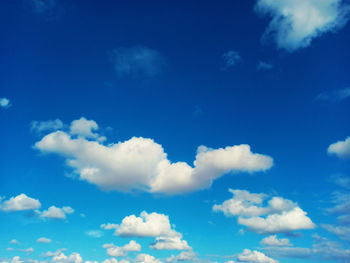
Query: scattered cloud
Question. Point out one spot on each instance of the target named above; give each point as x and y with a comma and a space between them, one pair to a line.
42, 6
142, 164
62, 258
183, 256
5, 103
340, 148
137, 61
54, 212
145, 258
231, 58
170, 243
264, 65
295, 23
44, 126
254, 256
44, 240
274, 241
278, 216
334, 96
115, 251
14, 241
19, 203
94, 233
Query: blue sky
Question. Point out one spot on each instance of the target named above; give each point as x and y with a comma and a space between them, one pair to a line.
174, 131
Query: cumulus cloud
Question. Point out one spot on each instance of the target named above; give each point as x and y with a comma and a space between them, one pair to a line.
278, 216
340, 148
183, 256
145, 258
44, 240
254, 256
170, 243
274, 241
62, 258
5, 103
54, 212
85, 128
14, 241
334, 96
137, 61
231, 58
19, 203
44, 126
142, 164
295, 23
116, 251
113, 260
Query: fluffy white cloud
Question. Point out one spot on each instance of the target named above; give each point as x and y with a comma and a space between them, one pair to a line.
296, 22
145, 258
14, 241
274, 241
115, 251
54, 212
5, 103
43, 126
19, 203
170, 243
142, 164
62, 258
113, 260
340, 148
109, 226
254, 257
278, 216
84, 128
44, 240
183, 256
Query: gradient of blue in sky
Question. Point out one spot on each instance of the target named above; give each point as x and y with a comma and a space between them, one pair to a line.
174, 131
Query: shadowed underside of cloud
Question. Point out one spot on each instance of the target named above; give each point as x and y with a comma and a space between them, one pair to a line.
340, 148
141, 164
295, 23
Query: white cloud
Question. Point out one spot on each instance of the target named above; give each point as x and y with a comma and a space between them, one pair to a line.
142, 164
170, 243
94, 233
340, 148
183, 256
279, 216
145, 258
62, 258
113, 260
264, 65
84, 128
115, 251
19, 203
274, 241
5, 103
43, 126
231, 58
254, 257
342, 231
44, 240
14, 241
295, 23
109, 226
54, 212
334, 96
16, 259
137, 61
42, 6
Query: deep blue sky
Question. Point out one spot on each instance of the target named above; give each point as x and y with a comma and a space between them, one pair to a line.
71, 59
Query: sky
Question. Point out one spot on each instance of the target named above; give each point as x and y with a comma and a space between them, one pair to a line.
174, 131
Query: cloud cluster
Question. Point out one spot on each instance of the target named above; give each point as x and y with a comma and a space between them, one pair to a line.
254, 256
19, 203
295, 23
116, 251
274, 241
278, 216
142, 164
334, 96
54, 212
44, 126
340, 148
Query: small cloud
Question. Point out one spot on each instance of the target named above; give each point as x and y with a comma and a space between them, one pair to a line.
137, 61
334, 96
54, 212
5, 103
264, 66
231, 58
43, 126
340, 148
19, 203
42, 6
14, 241
44, 240
94, 233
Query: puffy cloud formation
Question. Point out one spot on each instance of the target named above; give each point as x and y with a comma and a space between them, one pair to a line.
113, 260
14, 241
62, 258
5, 103
115, 251
254, 257
137, 61
340, 148
183, 256
274, 241
278, 216
85, 128
44, 240
170, 243
142, 164
296, 22
145, 258
334, 96
54, 212
43, 126
19, 203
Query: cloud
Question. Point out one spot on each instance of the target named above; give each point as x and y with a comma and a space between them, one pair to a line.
42, 6
145, 258
278, 216
84, 128
137, 61
231, 58
5, 103
334, 96
254, 257
340, 148
109, 226
54, 212
264, 66
94, 233
295, 23
115, 251
15, 242
183, 256
341, 231
170, 243
141, 164
113, 260
62, 258
274, 241
43, 126
44, 240
19, 203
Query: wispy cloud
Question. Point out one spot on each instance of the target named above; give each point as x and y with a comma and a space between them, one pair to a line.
42, 6
334, 96
264, 65
231, 58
